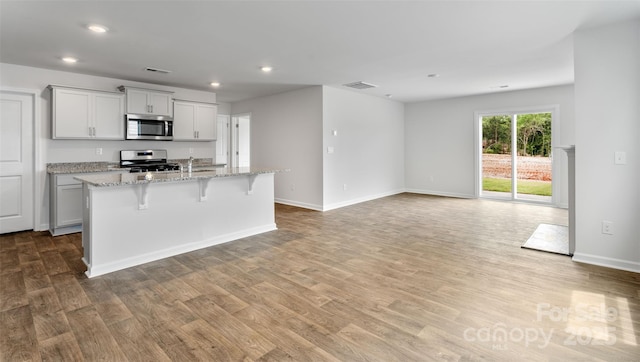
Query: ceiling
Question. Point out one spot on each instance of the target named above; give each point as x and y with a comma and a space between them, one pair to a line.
474, 47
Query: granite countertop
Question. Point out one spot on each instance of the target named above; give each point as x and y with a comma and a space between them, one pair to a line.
120, 179
84, 167
88, 167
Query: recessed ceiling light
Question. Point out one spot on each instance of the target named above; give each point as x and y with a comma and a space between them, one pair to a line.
499, 86
215, 84
388, 95
98, 28
266, 69
69, 60
433, 75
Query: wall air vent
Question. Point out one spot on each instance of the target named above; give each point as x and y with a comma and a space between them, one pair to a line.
156, 70
360, 85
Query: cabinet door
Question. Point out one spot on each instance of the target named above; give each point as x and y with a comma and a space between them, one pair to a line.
69, 205
71, 114
184, 114
206, 119
160, 104
137, 101
109, 116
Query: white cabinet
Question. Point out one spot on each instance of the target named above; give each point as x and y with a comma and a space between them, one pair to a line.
65, 203
194, 121
86, 114
147, 101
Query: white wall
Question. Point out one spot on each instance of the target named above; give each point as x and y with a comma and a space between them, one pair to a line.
439, 138
53, 151
368, 150
286, 132
224, 108
607, 92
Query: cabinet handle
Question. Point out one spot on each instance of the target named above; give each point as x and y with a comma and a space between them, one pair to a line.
151, 107
195, 135
198, 134
89, 129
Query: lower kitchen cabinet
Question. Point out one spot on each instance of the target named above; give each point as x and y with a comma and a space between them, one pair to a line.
65, 204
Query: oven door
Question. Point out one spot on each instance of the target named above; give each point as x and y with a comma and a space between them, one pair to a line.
144, 128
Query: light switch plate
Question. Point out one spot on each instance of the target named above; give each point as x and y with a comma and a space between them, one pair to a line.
329, 149
620, 158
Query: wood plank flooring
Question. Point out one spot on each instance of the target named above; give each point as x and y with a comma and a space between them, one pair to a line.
402, 278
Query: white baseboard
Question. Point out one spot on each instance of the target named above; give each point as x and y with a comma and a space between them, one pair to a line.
620, 264
439, 193
303, 205
338, 205
96, 270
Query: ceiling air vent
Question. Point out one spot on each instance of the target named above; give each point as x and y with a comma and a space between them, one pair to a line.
156, 70
360, 85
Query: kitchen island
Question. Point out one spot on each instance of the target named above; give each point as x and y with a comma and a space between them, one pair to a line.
134, 218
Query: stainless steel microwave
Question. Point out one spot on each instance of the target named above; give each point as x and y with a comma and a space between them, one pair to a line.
146, 127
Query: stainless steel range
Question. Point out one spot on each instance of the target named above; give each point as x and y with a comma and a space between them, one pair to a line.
147, 160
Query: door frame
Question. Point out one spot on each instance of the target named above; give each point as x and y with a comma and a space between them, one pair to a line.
554, 109
38, 171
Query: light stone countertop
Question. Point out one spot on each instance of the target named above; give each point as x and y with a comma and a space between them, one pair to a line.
88, 167
84, 167
120, 179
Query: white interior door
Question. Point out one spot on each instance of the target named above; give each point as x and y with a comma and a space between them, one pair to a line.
16, 162
241, 140
222, 140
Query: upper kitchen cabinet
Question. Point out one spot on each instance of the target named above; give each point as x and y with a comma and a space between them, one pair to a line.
194, 121
78, 113
148, 101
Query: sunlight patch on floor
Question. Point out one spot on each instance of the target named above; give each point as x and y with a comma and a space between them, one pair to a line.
593, 319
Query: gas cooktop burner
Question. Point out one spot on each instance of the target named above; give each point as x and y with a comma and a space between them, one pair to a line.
156, 167
147, 160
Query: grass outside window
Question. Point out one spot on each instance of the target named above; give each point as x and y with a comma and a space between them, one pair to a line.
528, 187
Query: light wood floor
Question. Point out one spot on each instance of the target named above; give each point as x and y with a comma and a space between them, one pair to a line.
403, 278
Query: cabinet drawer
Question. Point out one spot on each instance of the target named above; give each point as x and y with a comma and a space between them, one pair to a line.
67, 179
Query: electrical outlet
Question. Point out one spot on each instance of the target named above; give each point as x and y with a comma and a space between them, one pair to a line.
344, 187
293, 187
98, 151
620, 158
191, 151
607, 227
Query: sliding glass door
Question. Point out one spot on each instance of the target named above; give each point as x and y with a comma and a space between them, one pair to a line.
516, 157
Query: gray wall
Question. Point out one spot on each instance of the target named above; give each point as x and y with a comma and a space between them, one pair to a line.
368, 149
607, 88
286, 132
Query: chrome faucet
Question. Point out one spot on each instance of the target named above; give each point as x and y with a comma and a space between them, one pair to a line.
190, 164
